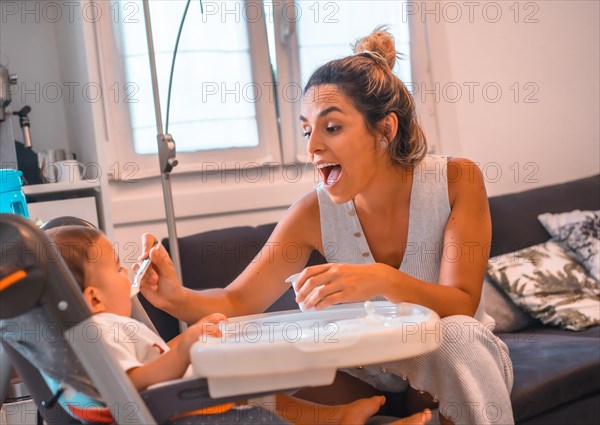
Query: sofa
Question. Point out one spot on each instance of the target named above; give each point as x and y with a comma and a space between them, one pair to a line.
557, 372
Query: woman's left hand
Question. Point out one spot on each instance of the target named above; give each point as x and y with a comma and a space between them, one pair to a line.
324, 285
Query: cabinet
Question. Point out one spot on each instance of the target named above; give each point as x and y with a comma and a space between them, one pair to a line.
79, 199
22, 412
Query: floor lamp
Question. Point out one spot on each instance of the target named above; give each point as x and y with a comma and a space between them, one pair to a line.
166, 153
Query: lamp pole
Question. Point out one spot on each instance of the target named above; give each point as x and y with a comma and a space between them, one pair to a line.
166, 153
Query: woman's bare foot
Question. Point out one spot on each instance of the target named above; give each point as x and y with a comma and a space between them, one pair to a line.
298, 411
359, 411
420, 418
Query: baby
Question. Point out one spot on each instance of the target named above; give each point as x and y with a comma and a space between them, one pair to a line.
143, 354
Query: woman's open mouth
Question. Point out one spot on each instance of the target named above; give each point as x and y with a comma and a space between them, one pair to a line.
331, 172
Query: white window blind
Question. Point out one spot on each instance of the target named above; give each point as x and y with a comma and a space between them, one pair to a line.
212, 88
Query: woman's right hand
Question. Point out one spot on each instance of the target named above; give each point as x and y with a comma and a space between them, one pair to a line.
160, 285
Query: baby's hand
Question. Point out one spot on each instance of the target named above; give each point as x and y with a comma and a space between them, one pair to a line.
209, 325
206, 326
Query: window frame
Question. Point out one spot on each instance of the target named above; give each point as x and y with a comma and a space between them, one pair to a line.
128, 165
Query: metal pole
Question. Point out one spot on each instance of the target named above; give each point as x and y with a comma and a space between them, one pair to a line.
150, 41
166, 153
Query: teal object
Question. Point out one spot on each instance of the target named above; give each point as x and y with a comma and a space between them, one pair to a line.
12, 198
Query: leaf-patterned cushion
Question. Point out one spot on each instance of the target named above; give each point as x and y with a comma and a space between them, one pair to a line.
550, 284
578, 230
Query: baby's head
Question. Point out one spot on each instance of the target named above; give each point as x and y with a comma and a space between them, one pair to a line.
95, 265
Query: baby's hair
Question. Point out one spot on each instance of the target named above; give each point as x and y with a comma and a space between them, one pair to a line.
74, 244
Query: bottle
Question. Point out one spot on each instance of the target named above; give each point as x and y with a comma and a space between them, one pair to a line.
12, 198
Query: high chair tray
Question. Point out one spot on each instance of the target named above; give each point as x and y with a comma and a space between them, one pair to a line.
293, 349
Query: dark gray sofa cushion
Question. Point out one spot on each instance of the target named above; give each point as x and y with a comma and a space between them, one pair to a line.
552, 369
514, 216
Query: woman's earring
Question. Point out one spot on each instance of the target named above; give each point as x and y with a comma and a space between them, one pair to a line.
383, 143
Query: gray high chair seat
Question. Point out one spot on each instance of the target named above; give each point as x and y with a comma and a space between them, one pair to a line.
44, 332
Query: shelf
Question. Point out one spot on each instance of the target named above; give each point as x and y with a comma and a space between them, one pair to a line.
64, 187
80, 199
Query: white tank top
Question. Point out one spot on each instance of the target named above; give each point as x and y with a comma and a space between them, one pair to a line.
344, 240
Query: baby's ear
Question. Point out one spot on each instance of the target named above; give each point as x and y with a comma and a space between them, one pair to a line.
93, 299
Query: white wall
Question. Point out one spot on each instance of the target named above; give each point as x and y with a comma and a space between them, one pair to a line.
555, 61
28, 47
46, 44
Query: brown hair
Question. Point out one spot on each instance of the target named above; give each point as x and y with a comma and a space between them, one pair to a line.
367, 79
75, 244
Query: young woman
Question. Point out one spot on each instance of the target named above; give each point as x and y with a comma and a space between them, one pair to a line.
393, 222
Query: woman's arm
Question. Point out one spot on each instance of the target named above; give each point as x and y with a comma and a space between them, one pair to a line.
469, 234
261, 283
467, 239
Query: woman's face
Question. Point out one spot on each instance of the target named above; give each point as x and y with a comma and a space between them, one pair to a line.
109, 278
338, 142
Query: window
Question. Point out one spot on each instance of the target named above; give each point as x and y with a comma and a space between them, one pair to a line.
217, 113
238, 77
310, 33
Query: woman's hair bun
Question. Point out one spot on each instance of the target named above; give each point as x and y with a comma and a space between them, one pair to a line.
379, 41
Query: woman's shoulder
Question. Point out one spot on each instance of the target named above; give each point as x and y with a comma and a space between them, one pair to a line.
307, 204
442, 168
306, 209
302, 219
462, 170
465, 179
449, 163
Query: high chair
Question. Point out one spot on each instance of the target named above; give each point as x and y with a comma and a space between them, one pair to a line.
45, 335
